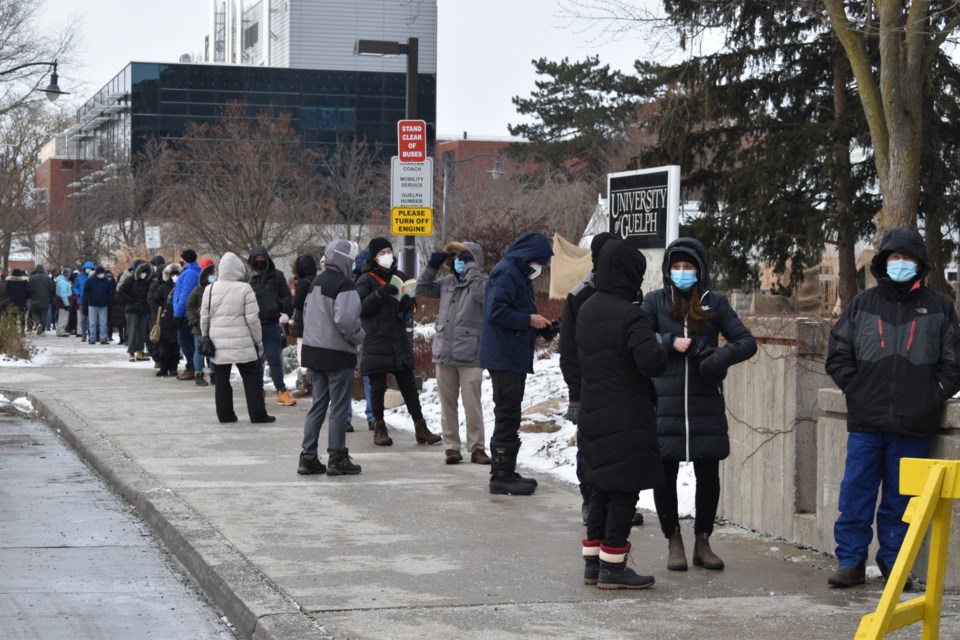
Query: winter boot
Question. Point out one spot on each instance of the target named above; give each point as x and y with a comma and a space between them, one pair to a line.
341, 464
132, 358
141, 357
846, 577
885, 572
703, 555
424, 435
306, 391
200, 382
284, 399
676, 556
212, 377
614, 573
309, 467
187, 374
591, 560
479, 456
503, 478
380, 437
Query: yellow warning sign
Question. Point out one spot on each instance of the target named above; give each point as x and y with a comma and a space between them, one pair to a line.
406, 221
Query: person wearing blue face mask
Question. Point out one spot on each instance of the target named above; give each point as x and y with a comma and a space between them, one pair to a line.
456, 344
689, 318
895, 354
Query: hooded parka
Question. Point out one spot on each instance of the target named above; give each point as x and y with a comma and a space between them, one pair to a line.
895, 351
618, 354
41, 289
387, 345
457, 339
134, 292
270, 286
193, 300
691, 415
332, 330
230, 315
305, 270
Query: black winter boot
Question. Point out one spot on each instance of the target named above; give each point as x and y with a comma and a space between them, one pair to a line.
341, 464
503, 478
614, 573
591, 561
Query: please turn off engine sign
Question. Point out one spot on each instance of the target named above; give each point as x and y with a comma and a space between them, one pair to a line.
406, 221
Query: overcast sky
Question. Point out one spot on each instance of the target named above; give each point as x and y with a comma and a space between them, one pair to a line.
484, 52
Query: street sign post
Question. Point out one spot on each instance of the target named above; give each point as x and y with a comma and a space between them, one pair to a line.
152, 237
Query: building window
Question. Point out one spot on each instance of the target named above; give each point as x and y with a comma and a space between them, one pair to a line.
251, 35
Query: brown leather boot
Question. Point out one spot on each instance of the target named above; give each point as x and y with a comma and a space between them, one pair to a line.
424, 435
676, 556
703, 555
380, 437
306, 391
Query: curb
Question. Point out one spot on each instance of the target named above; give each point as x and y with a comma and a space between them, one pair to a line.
255, 606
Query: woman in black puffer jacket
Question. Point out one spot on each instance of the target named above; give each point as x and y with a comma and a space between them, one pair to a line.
134, 294
304, 270
691, 413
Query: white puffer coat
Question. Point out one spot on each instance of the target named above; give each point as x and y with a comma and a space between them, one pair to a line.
232, 317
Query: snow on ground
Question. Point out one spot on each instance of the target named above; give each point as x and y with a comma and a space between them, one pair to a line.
552, 454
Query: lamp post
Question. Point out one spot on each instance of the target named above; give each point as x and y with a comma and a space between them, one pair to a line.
52, 90
411, 49
448, 163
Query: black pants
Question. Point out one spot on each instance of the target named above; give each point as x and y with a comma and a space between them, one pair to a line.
610, 516
706, 500
252, 390
508, 387
168, 356
406, 382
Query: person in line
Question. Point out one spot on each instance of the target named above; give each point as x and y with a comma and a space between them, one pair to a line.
185, 283
62, 302
134, 293
230, 316
895, 354
96, 297
83, 322
510, 328
115, 315
41, 292
387, 344
358, 263
332, 332
276, 305
570, 361
156, 302
691, 411
618, 354
456, 344
207, 277
18, 294
304, 270
168, 349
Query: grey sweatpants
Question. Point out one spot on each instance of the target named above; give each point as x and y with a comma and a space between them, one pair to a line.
329, 388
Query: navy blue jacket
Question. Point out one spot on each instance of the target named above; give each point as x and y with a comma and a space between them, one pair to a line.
96, 292
506, 338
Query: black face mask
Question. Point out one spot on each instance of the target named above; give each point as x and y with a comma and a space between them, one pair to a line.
259, 266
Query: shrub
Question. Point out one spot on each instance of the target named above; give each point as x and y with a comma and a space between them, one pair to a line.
14, 344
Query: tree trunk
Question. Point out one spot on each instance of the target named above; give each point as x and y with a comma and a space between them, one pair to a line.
846, 235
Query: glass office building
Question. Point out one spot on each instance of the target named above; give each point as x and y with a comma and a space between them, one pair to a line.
159, 100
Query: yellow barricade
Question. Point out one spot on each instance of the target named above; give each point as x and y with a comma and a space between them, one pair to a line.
934, 483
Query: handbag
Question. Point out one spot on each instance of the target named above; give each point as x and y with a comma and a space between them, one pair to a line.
155, 330
205, 346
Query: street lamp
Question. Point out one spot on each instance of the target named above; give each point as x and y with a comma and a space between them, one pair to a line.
448, 163
411, 49
52, 90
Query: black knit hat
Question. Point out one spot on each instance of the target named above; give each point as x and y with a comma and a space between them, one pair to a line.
189, 255
597, 243
683, 256
157, 261
377, 245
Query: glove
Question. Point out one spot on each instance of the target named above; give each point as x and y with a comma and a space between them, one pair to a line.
549, 333
387, 290
436, 259
406, 304
466, 256
284, 318
699, 349
573, 411
259, 346
712, 368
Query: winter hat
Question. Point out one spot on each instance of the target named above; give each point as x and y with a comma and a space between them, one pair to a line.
65, 272
597, 243
377, 245
189, 255
98, 270
205, 262
157, 261
683, 256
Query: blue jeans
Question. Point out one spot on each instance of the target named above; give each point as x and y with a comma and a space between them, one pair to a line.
366, 394
329, 388
273, 353
84, 323
198, 359
185, 340
872, 459
97, 323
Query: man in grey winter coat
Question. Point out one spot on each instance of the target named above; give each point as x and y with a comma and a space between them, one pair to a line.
332, 333
456, 343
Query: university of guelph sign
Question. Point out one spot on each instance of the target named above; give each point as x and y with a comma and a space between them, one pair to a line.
644, 206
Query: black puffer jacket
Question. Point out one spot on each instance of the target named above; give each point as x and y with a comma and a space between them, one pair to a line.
42, 289
306, 271
273, 294
134, 291
691, 417
618, 353
387, 346
895, 351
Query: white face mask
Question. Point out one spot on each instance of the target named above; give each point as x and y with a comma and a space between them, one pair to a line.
100, 275
143, 276
89, 272
174, 278
386, 260
536, 270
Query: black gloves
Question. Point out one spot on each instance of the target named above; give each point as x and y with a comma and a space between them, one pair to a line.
466, 256
387, 290
406, 304
573, 411
712, 367
551, 332
436, 259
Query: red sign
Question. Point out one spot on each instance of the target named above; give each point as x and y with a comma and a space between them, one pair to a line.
412, 140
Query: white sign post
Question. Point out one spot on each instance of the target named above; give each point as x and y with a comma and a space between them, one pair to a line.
152, 237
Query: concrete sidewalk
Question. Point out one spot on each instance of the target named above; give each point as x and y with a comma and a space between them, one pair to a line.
410, 548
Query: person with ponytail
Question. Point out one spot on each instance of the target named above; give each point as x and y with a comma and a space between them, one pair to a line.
689, 318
